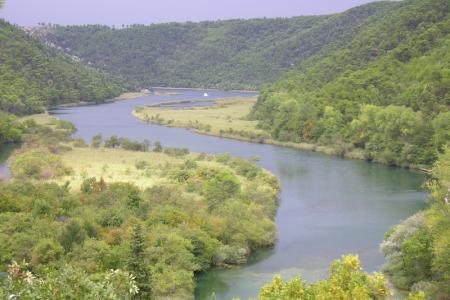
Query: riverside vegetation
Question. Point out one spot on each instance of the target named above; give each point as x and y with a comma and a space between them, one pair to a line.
383, 96
417, 257
159, 214
371, 83
229, 118
418, 249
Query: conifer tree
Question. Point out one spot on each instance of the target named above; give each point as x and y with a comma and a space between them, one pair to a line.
137, 265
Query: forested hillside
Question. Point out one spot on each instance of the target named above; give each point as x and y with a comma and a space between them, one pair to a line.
238, 54
383, 96
33, 76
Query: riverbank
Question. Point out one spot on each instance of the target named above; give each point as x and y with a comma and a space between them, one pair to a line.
121, 97
200, 89
228, 118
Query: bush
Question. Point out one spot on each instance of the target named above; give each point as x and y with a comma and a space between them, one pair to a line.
140, 164
346, 281
91, 185
96, 141
38, 164
79, 143
158, 147
110, 218
220, 187
176, 152
46, 252
68, 283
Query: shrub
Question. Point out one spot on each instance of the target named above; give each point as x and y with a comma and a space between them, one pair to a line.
46, 252
96, 141
158, 147
91, 185
79, 143
220, 187
176, 152
38, 164
346, 281
140, 164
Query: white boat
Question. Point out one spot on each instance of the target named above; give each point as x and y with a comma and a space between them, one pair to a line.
205, 95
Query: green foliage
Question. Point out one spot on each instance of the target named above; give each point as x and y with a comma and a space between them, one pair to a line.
137, 265
417, 250
97, 141
91, 185
34, 77
124, 143
10, 131
72, 234
38, 163
176, 152
346, 281
68, 283
158, 147
382, 94
162, 235
47, 252
222, 54
221, 187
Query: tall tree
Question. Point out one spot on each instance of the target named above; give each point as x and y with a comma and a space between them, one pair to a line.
137, 265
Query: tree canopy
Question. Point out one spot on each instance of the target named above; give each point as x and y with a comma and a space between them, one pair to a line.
234, 54
383, 95
34, 76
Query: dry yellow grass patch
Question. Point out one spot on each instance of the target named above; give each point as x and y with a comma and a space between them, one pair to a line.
41, 119
214, 120
131, 95
115, 165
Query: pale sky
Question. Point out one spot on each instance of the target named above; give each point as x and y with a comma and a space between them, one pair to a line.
118, 12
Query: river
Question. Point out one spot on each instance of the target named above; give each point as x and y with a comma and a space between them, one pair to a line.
328, 206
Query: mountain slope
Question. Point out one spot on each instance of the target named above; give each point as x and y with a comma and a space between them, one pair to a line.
383, 96
33, 77
223, 54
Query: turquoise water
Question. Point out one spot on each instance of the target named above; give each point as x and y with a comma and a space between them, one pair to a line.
328, 206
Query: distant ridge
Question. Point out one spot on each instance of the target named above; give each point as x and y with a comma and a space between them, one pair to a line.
234, 54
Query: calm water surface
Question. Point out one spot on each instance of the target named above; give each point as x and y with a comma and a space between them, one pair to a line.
328, 206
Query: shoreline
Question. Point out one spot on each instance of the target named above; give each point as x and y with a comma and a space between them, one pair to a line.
202, 89
135, 95
121, 97
325, 150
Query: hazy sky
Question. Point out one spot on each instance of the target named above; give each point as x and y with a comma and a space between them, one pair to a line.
117, 12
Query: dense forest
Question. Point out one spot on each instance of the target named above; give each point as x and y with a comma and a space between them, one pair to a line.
235, 54
382, 96
34, 77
